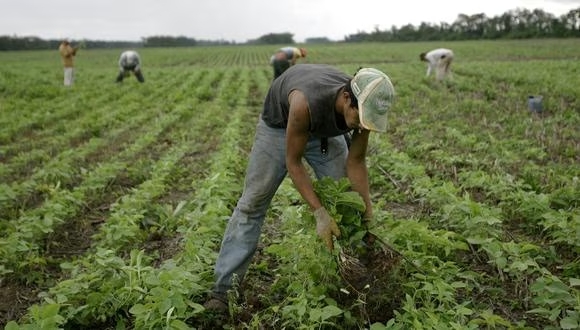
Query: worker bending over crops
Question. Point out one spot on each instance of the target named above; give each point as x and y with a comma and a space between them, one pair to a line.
306, 114
438, 60
284, 58
130, 62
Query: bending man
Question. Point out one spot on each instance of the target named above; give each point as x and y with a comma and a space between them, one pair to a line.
439, 60
307, 105
285, 58
130, 62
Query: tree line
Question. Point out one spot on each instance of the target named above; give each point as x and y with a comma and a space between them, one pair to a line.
514, 24
35, 43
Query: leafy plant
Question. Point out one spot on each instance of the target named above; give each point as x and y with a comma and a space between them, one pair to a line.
345, 205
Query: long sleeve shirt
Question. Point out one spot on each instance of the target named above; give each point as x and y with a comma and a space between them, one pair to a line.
67, 52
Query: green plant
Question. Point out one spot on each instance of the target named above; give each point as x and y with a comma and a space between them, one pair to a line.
345, 205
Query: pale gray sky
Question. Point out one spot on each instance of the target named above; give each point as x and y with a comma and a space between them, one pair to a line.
238, 20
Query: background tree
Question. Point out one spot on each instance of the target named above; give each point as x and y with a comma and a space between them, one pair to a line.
514, 24
275, 39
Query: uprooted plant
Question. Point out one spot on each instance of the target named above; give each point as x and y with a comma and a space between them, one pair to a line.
364, 259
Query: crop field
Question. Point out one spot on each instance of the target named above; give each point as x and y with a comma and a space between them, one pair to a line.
114, 197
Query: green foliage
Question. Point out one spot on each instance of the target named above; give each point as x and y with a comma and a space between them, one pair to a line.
346, 206
128, 190
557, 301
168, 41
44, 318
275, 39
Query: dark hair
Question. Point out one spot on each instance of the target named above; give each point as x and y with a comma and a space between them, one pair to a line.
348, 88
422, 56
353, 99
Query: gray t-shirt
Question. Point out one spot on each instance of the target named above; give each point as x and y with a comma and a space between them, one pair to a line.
320, 84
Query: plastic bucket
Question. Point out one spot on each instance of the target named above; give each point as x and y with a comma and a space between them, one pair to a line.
535, 104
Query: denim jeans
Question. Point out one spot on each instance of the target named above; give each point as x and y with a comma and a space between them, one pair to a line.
265, 172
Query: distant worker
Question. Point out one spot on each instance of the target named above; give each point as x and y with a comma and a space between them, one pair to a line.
130, 62
284, 58
439, 60
68, 52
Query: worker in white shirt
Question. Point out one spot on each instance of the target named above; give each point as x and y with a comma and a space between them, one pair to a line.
130, 62
438, 60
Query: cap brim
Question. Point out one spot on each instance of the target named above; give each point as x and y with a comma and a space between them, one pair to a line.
370, 121
375, 99
374, 108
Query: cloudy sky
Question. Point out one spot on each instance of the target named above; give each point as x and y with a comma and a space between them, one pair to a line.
239, 20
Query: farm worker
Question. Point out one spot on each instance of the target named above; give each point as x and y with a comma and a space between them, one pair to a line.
438, 60
284, 58
67, 52
130, 62
305, 115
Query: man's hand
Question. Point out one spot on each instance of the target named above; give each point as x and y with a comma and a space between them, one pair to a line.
326, 227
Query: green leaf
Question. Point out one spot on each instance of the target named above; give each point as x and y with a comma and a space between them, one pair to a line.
179, 325
49, 311
540, 310
325, 313
138, 309
352, 199
554, 314
378, 326
569, 323
12, 326
330, 311
478, 240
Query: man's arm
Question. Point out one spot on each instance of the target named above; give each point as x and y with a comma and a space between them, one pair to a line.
430, 67
296, 139
295, 55
430, 63
356, 168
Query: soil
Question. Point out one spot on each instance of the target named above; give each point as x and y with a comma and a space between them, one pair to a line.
371, 275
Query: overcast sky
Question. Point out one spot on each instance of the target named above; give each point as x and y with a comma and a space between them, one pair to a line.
239, 20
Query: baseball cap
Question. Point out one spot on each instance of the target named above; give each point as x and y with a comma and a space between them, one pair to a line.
375, 94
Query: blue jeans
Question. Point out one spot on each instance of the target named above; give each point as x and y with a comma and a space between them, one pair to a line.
266, 171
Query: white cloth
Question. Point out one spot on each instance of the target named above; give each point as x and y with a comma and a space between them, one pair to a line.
68, 76
129, 58
439, 61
